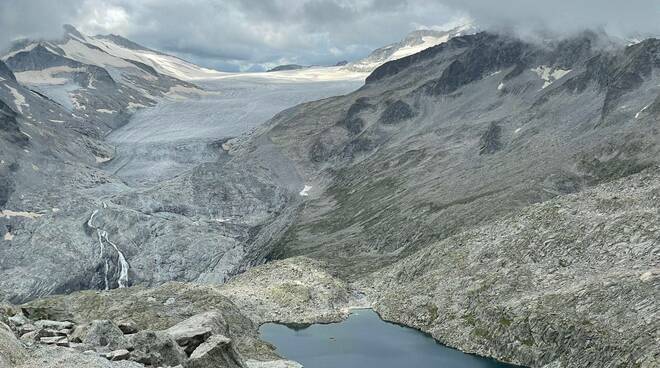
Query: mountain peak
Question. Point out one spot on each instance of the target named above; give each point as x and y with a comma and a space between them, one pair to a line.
70, 30
413, 43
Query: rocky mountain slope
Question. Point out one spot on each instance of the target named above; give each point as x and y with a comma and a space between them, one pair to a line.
116, 206
402, 176
492, 124
571, 282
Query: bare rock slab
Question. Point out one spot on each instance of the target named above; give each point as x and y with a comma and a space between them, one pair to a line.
192, 332
217, 351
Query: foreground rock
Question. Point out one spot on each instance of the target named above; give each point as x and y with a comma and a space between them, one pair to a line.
199, 341
186, 312
192, 332
217, 351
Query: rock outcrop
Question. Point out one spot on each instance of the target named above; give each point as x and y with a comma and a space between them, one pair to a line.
217, 351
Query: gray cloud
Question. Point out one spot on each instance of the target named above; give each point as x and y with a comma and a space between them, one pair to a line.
233, 34
560, 17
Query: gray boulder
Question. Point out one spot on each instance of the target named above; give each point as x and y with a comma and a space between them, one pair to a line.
103, 334
156, 348
217, 351
192, 332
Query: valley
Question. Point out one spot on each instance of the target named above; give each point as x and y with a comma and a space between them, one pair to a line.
497, 194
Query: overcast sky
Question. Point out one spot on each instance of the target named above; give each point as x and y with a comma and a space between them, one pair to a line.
233, 34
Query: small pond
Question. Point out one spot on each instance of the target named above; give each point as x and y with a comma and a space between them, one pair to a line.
366, 341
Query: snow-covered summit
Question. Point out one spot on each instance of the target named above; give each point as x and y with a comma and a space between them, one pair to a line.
414, 42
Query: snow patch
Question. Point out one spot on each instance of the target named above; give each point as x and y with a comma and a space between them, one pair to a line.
164, 64
55, 121
9, 236
48, 76
19, 99
500, 87
305, 191
76, 50
134, 106
100, 160
9, 214
549, 74
646, 276
105, 111
642, 110
77, 104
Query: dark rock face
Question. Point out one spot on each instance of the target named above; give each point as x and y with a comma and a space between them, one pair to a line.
280, 68
352, 122
357, 146
5, 72
38, 58
9, 126
488, 54
490, 140
397, 112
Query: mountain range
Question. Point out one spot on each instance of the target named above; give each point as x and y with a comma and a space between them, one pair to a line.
497, 193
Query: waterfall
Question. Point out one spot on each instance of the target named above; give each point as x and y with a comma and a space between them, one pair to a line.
123, 264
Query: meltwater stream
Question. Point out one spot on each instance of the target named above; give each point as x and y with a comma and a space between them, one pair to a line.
366, 341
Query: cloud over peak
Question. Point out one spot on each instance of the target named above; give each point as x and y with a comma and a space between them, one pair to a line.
239, 34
